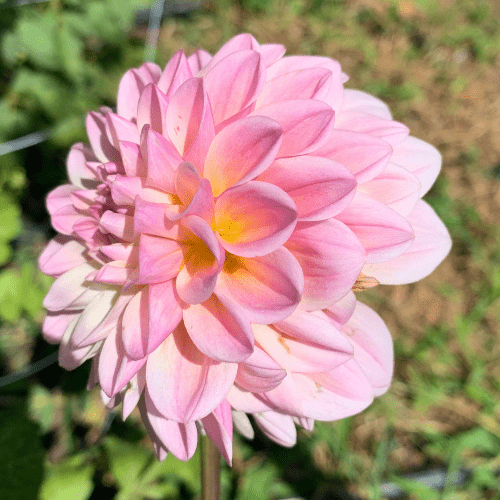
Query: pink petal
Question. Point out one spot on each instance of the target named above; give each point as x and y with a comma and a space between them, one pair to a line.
195, 194
83, 198
334, 96
383, 232
113, 273
162, 159
198, 60
310, 83
219, 330
60, 197
132, 159
135, 322
115, 367
132, 393
358, 101
160, 259
184, 384
176, 72
246, 401
241, 42
241, 151
395, 187
189, 122
271, 52
242, 424
131, 86
121, 130
390, 131
150, 218
259, 372
431, 245
234, 82
365, 156
331, 258
308, 350
179, 439
152, 109
101, 144
70, 291
56, 323
254, 219
306, 123
320, 188
70, 358
78, 172
341, 311
338, 394
277, 427
267, 288
124, 191
61, 255
120, 225
421, 159
372, 344
219, 428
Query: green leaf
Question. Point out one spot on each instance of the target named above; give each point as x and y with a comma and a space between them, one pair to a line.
41, 407
481, 440
69, 480
21, 452
5, 253
10, 220
10, 295
32, 295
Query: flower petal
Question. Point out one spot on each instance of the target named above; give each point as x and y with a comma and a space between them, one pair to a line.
184, 384
372, 344
219, 330
198, 60
78, 172
383, 232
219, 428
189, 122
306, 123
420, 158
431, 245
152, 109
320, 188
342, 310
331, 257
364, 155
277, 427
56, 323
241, 151
254, 219
234, 82
61, 255
267, 288
176, 72
96, 131
358, 101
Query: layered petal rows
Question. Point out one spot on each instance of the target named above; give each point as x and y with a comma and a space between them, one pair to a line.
212, 234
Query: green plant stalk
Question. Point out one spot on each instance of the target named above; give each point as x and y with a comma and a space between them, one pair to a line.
210, 470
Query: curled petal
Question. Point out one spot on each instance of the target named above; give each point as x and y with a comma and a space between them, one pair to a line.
277, 427
241, 151
150, 218
271, 52
421, 159
243, 424
246, 402
267, 288
342, 310
220, 331
176, 72
365, 156
219, 428
198, 60
56, 323
306, 123
331, 257
160, 259
60, 197
61, 255
395, 187
98, 136
184, 384
372, 344
254, 219
131, 86
234, 82
133, 162
121, 130
76, 164
152, 109
358, 101
120, 225
383, 232
70, 358
259, 372
189, 122
320, 188
431, 245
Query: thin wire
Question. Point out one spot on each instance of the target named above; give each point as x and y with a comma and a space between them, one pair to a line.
20, 3
24, 142
28, 371
155, 15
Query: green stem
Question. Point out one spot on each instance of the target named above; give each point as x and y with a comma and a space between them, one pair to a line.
210, 470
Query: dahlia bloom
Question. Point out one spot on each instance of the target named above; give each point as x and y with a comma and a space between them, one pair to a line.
213, 232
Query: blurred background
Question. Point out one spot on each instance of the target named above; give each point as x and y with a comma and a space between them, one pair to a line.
436, 433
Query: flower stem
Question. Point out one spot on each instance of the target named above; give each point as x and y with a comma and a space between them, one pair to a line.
210, 470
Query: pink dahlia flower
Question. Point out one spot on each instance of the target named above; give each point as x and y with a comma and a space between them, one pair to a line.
212, 234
